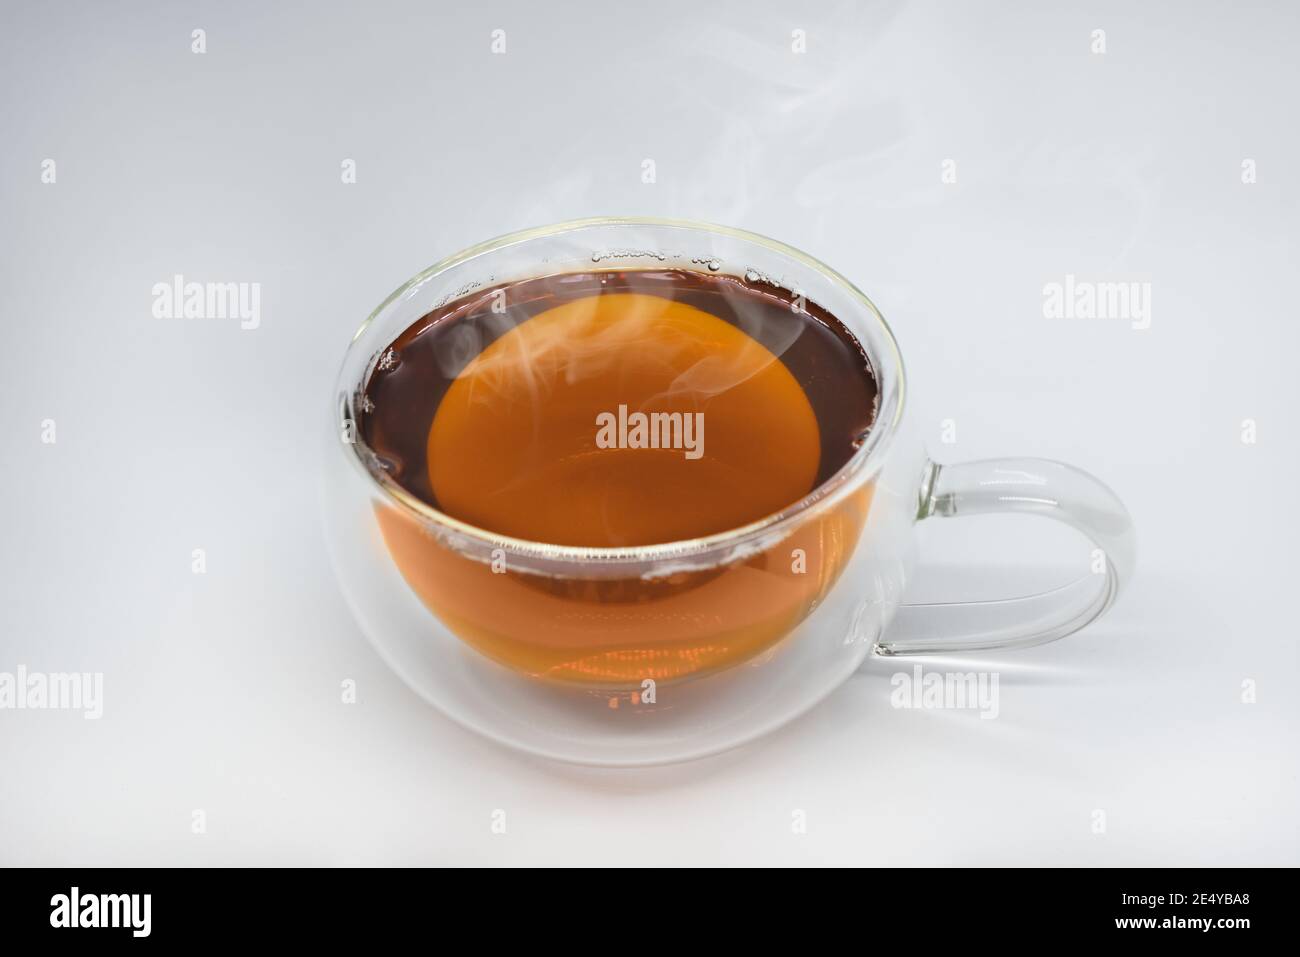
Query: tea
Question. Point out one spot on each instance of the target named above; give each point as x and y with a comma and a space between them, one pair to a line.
619, 408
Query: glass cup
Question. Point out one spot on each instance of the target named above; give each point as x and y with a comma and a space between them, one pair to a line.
663, 653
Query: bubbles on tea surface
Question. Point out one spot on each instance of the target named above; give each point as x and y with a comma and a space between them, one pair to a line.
448, 297
713, 264
599, 256
387, 463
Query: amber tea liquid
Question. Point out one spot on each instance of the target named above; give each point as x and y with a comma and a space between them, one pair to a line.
621, 409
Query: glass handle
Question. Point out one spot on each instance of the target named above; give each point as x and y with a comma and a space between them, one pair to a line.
1034, 486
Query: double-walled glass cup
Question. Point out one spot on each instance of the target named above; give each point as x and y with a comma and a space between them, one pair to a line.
648, 655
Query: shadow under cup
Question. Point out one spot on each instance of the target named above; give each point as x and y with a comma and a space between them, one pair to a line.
595, 626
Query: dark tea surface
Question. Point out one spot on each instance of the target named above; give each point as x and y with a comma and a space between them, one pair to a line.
618, 408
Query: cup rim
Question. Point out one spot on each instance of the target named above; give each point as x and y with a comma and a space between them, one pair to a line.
864, 462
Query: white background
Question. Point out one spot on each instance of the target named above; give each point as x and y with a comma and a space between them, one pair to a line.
222, 691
